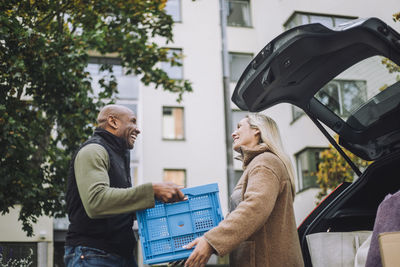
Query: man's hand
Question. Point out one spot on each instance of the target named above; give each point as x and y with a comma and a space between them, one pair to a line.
168, 192
201, 254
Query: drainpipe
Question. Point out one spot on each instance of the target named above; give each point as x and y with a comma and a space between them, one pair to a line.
227, 97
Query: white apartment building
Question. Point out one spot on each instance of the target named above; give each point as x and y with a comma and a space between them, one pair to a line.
185, 142
199, 154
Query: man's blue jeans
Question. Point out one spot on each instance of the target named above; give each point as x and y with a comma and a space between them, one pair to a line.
84, 256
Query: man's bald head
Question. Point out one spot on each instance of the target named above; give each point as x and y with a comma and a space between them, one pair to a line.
116, 111
120, 121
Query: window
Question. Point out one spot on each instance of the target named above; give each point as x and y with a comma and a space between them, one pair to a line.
300, 18
239, 13
307, 165
343, 96
173, 8
174, 72
128, 85
237, 64
17, 251
177, 176
173, 123
96, 62
340, 96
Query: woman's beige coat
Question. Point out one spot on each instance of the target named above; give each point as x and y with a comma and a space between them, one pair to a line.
261, 231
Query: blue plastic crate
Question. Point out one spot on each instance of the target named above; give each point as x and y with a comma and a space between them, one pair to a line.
167, 227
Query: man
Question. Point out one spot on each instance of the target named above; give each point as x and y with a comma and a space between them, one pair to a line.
100, 198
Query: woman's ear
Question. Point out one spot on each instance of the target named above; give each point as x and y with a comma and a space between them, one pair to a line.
257, 134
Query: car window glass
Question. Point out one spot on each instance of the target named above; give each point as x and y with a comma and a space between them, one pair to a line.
329, 96
355, 90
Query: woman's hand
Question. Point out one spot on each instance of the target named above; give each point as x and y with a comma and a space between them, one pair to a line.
201, 254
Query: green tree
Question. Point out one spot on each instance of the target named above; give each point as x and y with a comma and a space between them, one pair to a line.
46, 100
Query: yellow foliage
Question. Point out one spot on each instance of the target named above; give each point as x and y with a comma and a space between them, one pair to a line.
162, 5
334, 170
396, 16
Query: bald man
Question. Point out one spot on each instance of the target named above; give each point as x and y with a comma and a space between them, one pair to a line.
101, 201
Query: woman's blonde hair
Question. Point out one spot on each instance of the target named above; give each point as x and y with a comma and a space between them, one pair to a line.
269, 135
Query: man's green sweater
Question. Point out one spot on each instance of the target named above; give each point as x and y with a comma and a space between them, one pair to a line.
98, 198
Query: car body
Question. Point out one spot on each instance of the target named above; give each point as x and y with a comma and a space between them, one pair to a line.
297, 67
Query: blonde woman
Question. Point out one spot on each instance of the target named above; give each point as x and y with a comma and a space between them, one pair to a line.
260, 229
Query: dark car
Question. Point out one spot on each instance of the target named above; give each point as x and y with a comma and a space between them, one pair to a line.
298, 67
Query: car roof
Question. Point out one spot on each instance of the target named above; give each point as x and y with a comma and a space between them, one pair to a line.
303, 65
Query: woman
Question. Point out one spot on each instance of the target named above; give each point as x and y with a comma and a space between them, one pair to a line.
260, 230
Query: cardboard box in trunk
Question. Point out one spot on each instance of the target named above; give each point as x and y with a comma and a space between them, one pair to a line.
389, 244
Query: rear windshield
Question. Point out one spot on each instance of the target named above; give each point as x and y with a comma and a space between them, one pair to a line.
364, 92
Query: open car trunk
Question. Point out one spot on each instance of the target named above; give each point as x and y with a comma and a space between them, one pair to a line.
354, 206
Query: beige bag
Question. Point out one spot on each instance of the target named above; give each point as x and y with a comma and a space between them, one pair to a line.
335, 249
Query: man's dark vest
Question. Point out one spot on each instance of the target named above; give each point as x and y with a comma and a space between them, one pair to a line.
112, 234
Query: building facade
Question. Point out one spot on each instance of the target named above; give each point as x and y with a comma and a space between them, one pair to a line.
185, 142
250, 26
